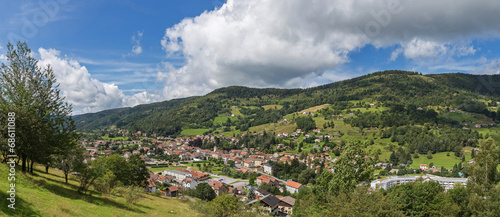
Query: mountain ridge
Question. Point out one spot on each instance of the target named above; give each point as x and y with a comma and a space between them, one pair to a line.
386, 87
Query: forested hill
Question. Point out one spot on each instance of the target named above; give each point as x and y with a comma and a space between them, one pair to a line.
248, 107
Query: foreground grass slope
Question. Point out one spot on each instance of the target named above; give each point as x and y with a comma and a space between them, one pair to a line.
44, 194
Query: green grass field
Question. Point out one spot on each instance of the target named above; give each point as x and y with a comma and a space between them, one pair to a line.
371, 109
458, 116
236, 111
385, 153
43, 194
440, 159
266, 107
158, 169
221, 119
193, 132
315, 108
494, 132
119, 138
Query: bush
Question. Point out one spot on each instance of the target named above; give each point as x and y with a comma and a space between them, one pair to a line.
105, 183
132, 194
157, 193
415, 155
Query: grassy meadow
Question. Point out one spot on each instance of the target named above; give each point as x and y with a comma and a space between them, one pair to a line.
44, 194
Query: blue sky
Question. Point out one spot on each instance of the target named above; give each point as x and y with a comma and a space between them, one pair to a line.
109, 54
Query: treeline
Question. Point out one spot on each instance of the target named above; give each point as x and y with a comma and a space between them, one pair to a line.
41, 130
434, 139
397, 115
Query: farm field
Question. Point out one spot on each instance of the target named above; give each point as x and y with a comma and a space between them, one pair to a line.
193, 132
440, 159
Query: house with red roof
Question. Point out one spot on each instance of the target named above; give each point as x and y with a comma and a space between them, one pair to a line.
267, 179
219, 187
293, 187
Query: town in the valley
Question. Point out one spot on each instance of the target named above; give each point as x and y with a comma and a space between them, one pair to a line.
178, 166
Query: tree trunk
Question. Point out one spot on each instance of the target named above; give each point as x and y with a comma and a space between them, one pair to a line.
23, 167
31, 166
47, 169
66, 177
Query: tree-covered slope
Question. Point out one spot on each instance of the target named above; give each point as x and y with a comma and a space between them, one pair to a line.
472, 93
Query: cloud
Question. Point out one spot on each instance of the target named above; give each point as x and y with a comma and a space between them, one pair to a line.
85, 93
419, 49
143, 98
136, 48
289, 43
3, 58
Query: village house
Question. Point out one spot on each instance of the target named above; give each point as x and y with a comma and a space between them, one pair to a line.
151, 187
293, 187
165, 179
219, 187
189, 183
267, 168
268, 203
170, 191
248, 163
196, 174
423, 167
267, 179
286, 204
261, 192
178, 175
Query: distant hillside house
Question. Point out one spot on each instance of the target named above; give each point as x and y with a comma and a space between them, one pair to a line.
293, 187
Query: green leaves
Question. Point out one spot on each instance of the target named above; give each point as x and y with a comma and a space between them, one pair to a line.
483, 173
32, 92
305, 124
353, 167
205, 192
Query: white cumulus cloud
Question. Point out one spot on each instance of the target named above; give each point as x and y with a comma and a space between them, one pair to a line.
85, 93
419, 48
288, 43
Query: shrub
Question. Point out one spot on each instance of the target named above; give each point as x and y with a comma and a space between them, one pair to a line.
157, 193
132, 194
